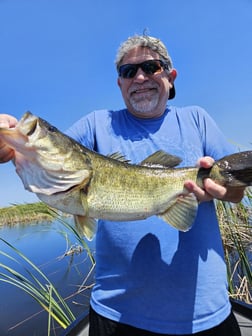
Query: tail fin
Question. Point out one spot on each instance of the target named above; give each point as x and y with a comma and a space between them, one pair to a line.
236, 169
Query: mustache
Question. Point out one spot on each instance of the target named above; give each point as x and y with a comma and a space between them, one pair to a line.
136, 88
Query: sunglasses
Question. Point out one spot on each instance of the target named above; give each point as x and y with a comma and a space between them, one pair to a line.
150, 67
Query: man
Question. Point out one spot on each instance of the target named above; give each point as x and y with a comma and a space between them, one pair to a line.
152, 279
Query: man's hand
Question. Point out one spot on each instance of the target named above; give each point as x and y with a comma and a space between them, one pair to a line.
211, 189
6, 153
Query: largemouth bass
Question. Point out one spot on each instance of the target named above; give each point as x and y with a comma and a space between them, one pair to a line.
71, 178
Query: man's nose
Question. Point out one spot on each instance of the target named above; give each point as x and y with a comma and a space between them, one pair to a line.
140, 75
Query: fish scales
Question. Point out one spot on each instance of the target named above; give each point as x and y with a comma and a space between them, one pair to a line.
121, 190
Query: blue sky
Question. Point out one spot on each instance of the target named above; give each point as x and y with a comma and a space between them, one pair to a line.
57, 60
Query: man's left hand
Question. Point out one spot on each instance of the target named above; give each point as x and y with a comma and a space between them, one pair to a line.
211, 189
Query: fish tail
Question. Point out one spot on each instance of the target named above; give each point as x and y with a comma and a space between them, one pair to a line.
238, 177
236, 169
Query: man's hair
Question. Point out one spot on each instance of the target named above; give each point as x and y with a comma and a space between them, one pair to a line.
143, 41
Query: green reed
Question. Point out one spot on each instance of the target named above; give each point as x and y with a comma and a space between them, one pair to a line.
236, 229
36, 284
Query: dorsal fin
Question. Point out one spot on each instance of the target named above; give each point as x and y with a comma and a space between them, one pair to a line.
161, 159
118, 156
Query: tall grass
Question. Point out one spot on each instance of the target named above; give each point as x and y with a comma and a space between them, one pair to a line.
37, 285
236, 230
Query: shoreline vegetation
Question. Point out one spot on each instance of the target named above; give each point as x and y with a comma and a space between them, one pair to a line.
26, 213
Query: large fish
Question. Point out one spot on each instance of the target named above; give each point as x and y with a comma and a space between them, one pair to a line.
76, 180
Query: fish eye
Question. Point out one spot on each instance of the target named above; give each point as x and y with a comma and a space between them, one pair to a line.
52, 128
49, 127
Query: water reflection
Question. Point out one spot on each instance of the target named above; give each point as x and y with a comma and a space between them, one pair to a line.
45, 244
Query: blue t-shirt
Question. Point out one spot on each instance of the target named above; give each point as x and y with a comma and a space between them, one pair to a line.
148, 274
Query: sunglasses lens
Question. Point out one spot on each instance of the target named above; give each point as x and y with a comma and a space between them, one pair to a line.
128, 70
151, 67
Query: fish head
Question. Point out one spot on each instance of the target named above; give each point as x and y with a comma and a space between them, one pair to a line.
46, 160
40, 137
31, 132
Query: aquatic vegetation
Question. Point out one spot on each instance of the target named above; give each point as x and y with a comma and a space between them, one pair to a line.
236, 230
23, 214
37, 285
19, 271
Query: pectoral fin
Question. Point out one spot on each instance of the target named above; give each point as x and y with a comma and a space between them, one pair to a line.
182, 212
87, 225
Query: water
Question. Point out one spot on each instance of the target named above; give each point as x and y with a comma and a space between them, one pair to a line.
45, 245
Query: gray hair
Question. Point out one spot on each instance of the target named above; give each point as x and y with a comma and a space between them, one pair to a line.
143, 41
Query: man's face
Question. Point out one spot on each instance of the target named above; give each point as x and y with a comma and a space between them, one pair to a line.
145, 95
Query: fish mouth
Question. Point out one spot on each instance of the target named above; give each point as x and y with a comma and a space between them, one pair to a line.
18, 136
28, 124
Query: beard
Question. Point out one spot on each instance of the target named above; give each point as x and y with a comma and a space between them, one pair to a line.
144, 104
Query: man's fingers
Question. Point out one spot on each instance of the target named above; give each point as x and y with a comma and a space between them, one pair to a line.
7, 121
201, 194
205, 162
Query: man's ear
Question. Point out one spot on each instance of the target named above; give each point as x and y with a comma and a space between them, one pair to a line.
119, 82
172, 75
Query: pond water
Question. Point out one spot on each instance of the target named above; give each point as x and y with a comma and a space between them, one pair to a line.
45, 244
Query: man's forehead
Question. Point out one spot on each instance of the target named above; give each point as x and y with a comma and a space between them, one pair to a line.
139, 54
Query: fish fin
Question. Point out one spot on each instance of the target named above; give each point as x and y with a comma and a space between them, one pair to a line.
119, 157
181, 214
236, 169
42, 181
161, 159
87, 225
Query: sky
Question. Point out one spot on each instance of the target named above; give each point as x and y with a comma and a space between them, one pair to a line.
57, 61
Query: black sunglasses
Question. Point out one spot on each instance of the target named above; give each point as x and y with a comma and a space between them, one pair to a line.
149, 67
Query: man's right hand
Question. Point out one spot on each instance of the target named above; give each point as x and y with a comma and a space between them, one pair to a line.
6, 153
